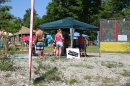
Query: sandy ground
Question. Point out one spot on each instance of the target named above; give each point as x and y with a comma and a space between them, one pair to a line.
111, 69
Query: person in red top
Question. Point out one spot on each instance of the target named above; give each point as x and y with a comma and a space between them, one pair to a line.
81, 42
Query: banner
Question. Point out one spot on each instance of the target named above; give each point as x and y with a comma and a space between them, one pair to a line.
73, 53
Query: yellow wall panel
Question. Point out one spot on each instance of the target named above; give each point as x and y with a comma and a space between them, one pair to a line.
115, 46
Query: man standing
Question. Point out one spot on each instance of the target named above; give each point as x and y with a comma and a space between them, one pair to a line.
81, 42
39, 42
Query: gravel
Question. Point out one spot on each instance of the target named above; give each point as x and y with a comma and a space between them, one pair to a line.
86, 71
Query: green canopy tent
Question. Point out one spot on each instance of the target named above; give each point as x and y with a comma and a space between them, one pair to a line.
69, 23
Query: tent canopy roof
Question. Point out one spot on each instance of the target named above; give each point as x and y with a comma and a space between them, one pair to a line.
24, 30
68, 23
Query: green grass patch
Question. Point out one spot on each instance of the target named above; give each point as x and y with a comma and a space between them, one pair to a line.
127, 84
87, 77
8, 75
49, 49
82, 65
6, 64
126, 73
111, 64
12, 82
92, 49
72, 81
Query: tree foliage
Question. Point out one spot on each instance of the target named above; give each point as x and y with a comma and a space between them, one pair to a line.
26, 19
88, 11
78, 9
83, 10
114, 9
5, 15
15, 25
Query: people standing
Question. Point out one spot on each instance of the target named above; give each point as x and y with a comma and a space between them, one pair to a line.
2, 33
39, 42
81, 42
54, 48
1, 37
59, 43
86, 45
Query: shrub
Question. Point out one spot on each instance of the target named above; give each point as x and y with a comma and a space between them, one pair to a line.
6, 64
47, 73
11, 50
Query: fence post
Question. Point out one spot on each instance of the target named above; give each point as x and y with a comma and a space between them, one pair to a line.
116, 31
100, 31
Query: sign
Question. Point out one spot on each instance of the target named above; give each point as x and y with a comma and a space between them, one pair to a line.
122, 37
73, 53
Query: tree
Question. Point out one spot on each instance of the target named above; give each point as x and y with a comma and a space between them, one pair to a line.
15, 25
58, 9
26, 19
83, 10
114, 9
5, 16
78, 9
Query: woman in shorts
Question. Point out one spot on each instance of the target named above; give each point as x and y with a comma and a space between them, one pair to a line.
59, 42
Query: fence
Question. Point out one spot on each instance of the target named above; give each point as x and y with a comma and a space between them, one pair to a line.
114, 30
115, 35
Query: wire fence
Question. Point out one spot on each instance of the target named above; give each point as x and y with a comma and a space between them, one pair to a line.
115, 29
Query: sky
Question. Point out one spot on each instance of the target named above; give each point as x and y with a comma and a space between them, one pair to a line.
19, 7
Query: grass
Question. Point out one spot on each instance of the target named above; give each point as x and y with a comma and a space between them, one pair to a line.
90, 49
49, 49
72, 81
87, 77
8, 75
111, 64
47, 73
12, 82
126, 73
6, 64
82, 65
127, 84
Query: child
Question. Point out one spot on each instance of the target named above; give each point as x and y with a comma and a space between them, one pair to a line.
82, 53
54, 48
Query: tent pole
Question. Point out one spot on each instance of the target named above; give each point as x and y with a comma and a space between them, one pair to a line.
71, 36
30, 41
